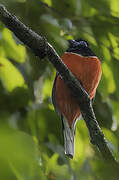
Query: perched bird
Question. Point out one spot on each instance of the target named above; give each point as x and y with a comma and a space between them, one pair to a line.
86, 66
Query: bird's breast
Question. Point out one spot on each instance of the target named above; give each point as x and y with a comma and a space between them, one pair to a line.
88, 71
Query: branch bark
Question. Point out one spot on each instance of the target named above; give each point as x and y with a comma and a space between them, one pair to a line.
42, 48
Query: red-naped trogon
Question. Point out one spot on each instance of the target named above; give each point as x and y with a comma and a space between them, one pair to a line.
86, 66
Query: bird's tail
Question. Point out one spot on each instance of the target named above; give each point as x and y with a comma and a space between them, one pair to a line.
69, 138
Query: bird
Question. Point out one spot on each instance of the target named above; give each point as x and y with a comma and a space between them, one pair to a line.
86, 67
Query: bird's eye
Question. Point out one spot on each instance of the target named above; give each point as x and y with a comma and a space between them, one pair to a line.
72, 43
83, 43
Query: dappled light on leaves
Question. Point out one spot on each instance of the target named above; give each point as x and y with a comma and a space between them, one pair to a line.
12, 50
10, 76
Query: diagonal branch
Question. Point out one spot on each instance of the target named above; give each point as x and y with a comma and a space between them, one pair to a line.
42, 48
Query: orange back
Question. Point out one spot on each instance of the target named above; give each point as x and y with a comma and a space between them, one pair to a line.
88, 71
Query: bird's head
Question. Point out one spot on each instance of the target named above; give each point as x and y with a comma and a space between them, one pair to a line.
80, 46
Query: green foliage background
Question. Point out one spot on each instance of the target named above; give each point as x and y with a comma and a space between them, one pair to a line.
31, 143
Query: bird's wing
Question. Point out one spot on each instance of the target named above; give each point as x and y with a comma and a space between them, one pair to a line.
53, 96
68, 132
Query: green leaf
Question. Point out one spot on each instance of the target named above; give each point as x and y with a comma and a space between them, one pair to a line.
107, 84
87, 10
10, 76
114, 45
50, 22
66, 24
116, 112
103, 7
47, 86
49, 2
19, 154
68, 8
112, 140
114, 7
47, 89
104, 111
13, 50
55, 170
114, 64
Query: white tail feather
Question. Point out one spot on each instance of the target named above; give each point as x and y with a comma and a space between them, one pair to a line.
69, 138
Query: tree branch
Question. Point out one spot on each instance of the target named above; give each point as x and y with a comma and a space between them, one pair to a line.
42, 48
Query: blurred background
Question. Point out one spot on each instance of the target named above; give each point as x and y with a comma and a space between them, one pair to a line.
31, 142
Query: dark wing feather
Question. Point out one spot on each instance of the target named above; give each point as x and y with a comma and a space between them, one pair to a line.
53, 96
69, 133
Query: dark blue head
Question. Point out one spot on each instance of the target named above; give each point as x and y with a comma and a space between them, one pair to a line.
80, 46
78, 42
